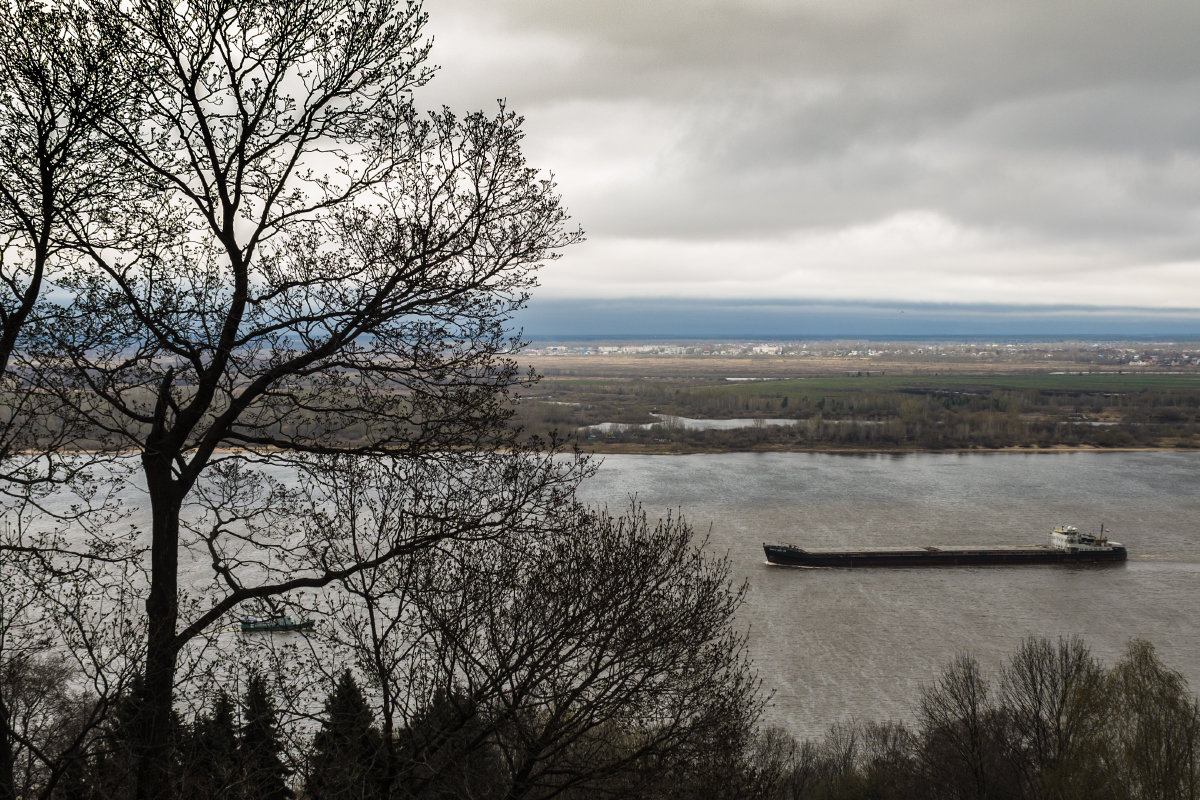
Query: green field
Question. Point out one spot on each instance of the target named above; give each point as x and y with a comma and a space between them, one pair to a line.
1085, 383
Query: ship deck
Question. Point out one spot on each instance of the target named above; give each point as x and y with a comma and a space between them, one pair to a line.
949, 548
957, 555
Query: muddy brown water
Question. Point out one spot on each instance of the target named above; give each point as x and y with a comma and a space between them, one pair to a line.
857, 644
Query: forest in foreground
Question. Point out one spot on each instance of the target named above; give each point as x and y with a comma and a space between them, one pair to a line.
1052, 723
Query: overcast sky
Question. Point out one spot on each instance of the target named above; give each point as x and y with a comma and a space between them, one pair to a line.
900, 151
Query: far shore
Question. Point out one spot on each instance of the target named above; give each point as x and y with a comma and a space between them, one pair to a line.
673, 449
678, 449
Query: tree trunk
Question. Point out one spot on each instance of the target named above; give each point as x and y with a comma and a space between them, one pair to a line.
8, 789
152, 735
387, 748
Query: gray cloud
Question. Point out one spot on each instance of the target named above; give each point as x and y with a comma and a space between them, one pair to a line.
663, 317
1053, 133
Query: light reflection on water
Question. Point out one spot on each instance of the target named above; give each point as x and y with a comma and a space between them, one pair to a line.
836, 644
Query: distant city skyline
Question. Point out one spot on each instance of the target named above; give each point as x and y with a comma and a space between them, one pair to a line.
876, 152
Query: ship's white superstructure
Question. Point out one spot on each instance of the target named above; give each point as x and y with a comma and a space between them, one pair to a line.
1069, 539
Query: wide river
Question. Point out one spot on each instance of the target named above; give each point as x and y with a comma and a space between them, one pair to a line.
838, 644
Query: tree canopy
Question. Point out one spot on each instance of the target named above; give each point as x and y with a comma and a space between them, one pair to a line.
247, 271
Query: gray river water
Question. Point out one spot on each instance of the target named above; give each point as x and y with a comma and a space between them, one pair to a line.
840, 644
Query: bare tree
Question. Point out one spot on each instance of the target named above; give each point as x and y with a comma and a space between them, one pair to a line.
378, 618
875, 760
889, 761
56, 82
603, 646
1055, 701
1154, 729
1129, 733
303, 262
70, 649
582, 651
39, 713
783, 767
964, 735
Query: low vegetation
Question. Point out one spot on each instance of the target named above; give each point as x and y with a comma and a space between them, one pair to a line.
876, 412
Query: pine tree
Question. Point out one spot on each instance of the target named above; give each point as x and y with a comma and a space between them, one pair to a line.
264, 774
211, 767
73, 783
111, 765
446, 753
347, 758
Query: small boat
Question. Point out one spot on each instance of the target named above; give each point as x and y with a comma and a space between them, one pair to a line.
279, 623
1067, 545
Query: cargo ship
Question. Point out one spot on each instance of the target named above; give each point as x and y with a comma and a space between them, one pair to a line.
274, 624
1067, 545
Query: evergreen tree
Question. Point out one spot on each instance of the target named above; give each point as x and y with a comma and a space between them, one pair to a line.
447, 752
264, 774
111, 765
211, 767
347, 758
73, 783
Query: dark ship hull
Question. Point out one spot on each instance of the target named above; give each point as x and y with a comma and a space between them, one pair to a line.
275, 625
787, 555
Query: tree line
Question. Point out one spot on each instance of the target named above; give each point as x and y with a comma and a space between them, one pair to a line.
962, 431
927, 418
1054, 723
